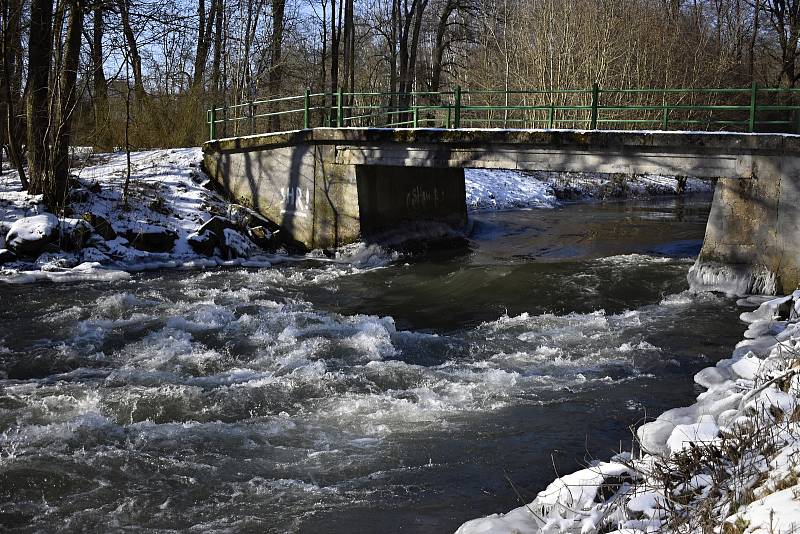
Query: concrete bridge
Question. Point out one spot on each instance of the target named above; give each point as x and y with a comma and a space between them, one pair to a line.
331, 186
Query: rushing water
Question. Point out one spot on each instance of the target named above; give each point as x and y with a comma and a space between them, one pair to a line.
344, 397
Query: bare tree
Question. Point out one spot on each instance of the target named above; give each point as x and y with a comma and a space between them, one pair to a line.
11, 42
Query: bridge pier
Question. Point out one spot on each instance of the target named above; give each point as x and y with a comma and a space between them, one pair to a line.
752, 241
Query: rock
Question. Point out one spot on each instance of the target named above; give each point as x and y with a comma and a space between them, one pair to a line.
75, 233
235, 245
211, 185
6, 256
262, 237
96, 241
92, 254
58, 261
29, 236
101, 226
244, 217
216, 225
151, 238
204, 243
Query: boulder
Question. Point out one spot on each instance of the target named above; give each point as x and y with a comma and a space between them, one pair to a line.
151, 238
96, 241
243, 216
262, 237
235, 245
30, 236
92, 254
101, 226
204, 243
6, 256
216, 225
75, 233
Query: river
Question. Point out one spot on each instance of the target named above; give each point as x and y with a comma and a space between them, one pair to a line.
386, 392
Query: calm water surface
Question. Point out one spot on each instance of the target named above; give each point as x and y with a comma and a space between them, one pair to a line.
344, 397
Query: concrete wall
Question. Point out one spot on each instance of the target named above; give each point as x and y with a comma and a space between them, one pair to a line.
752, 241
331, 186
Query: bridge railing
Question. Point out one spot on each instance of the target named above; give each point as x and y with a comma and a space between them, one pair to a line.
747, 109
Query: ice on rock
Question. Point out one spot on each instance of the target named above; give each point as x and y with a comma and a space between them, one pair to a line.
766, 311
703, 432
711, 377
572, 503
707, 276
747, 367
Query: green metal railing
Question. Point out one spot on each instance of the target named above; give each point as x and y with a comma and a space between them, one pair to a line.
748, 109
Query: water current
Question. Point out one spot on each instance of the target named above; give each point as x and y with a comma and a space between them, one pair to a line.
381, 392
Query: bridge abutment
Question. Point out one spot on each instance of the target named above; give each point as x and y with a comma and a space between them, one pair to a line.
324, 200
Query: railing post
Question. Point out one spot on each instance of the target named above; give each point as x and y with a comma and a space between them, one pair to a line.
551, 116
224, 119
753, 95
339, 109
252, 108
307, 110
457, 121
212, 125
797, 119
595, 104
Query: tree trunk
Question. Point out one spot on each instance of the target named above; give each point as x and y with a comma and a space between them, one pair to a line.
393, 54
11, 13
99, 83
39, 92
67, 102
133, 51
216, 62
205, 27
276, 67
348, 31
336, 33
440, 45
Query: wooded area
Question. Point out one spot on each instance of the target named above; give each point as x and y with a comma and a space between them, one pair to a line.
98, 72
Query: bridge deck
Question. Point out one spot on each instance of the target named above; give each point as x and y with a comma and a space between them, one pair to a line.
702, 154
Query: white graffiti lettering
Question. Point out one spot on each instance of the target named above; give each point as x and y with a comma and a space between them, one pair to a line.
419, 198
295, 200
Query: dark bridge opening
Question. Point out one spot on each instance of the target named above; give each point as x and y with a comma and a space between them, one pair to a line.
410, 201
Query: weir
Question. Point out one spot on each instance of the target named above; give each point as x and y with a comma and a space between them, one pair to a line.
332, 186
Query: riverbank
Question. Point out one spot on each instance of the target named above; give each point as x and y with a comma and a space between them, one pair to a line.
730, 462
174, 218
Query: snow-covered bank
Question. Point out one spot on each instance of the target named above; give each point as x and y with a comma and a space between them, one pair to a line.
509, 189
728, 463
100, 236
